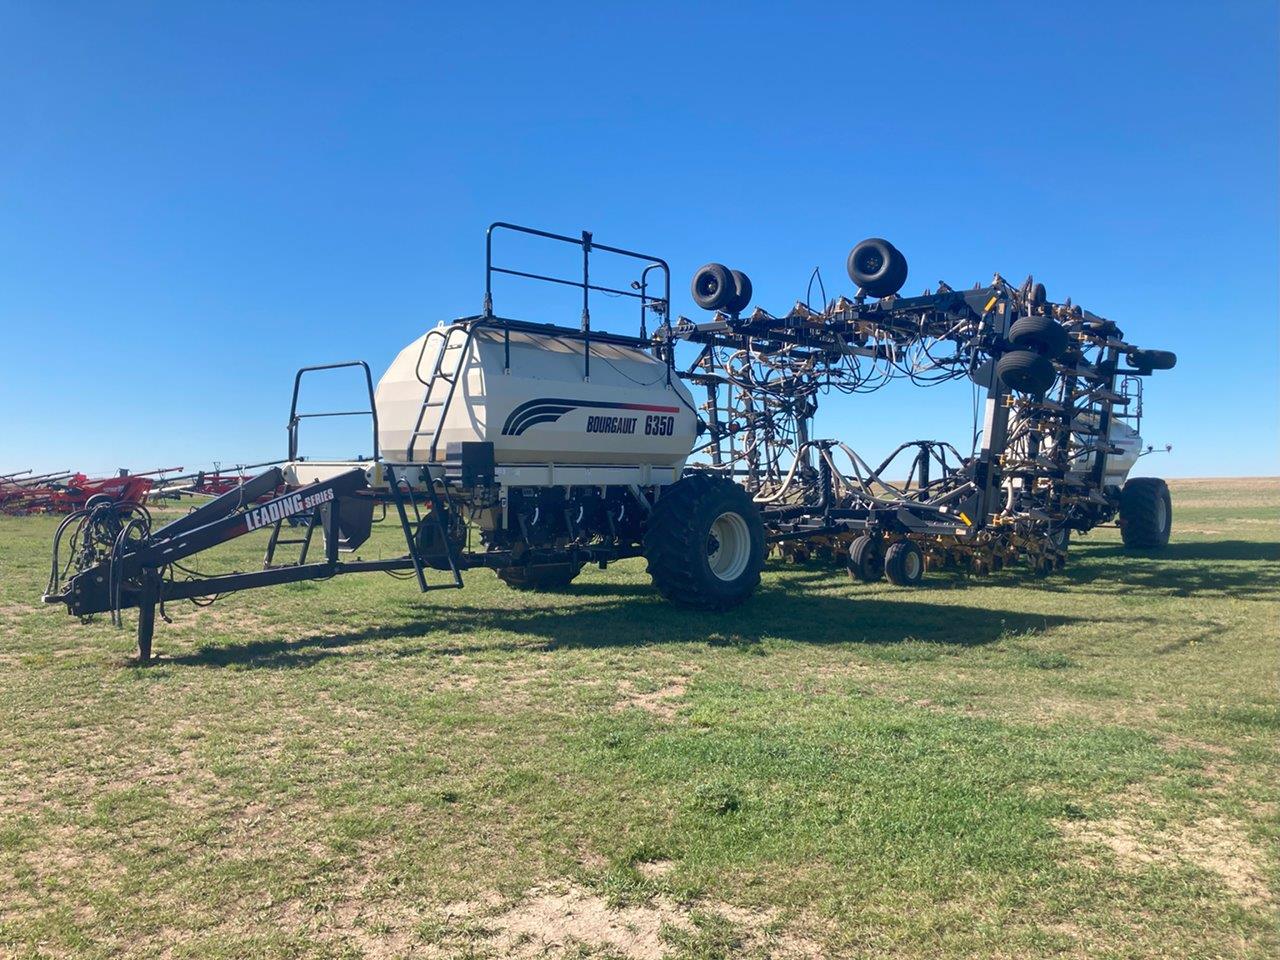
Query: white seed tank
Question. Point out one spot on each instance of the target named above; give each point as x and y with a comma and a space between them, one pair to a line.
1127, 447
540, 410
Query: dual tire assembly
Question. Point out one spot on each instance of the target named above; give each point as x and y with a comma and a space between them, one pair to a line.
1037, 341
716, 287
901, 563
704, 542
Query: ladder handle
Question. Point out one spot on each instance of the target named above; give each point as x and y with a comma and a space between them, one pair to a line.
447, 334
450, 379
448, 400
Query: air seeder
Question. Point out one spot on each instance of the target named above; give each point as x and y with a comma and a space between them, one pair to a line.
534, 449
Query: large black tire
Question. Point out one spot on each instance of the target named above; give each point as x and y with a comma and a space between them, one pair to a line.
866, 559
741, 292
1044, 335
1146, 513
543, 576
713, 287
1153, 359
705, 543
1025, 371
877, 267
904, 563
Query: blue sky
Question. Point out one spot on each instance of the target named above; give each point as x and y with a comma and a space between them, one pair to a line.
196, 199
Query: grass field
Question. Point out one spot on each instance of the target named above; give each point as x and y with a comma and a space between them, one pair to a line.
1083, 766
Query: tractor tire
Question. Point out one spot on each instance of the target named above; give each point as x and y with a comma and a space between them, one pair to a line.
540, 577
1025, 372
877, 267
705, 543
904, 564
713, 287
1044, 335
741, 292
866, 559
1146, 513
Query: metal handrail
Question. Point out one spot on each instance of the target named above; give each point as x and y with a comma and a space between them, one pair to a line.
587, 242
295, 418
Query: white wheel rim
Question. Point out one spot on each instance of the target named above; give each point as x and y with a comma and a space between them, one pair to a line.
911, 565
729, 546
1162, 514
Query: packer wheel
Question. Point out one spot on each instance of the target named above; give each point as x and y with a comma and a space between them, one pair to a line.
904, 564
866, 559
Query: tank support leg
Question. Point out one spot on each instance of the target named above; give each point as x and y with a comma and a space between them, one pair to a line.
147, 617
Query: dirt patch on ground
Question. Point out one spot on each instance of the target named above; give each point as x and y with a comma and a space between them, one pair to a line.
1217, 845
654, 869
550, 921
662, 703
555, 920
564, 920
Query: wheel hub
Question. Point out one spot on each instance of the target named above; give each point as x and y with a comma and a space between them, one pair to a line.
728, 546
911, 565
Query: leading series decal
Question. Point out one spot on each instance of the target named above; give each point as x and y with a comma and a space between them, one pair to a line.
285, 506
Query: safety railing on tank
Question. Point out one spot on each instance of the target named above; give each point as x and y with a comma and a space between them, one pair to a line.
660, 306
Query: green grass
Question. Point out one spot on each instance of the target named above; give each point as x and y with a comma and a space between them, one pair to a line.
1083, 766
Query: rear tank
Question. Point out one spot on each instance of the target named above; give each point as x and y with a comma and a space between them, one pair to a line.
538, 408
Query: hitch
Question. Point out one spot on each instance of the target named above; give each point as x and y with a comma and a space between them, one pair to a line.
117, 562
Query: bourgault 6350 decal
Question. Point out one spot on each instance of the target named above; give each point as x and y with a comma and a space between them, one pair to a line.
551, 409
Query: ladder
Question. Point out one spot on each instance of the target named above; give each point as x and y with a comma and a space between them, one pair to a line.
439, 516
303, 542
441, 384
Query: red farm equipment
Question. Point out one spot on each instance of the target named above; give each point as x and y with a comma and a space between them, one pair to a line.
23, 492
68, 492
205, 483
